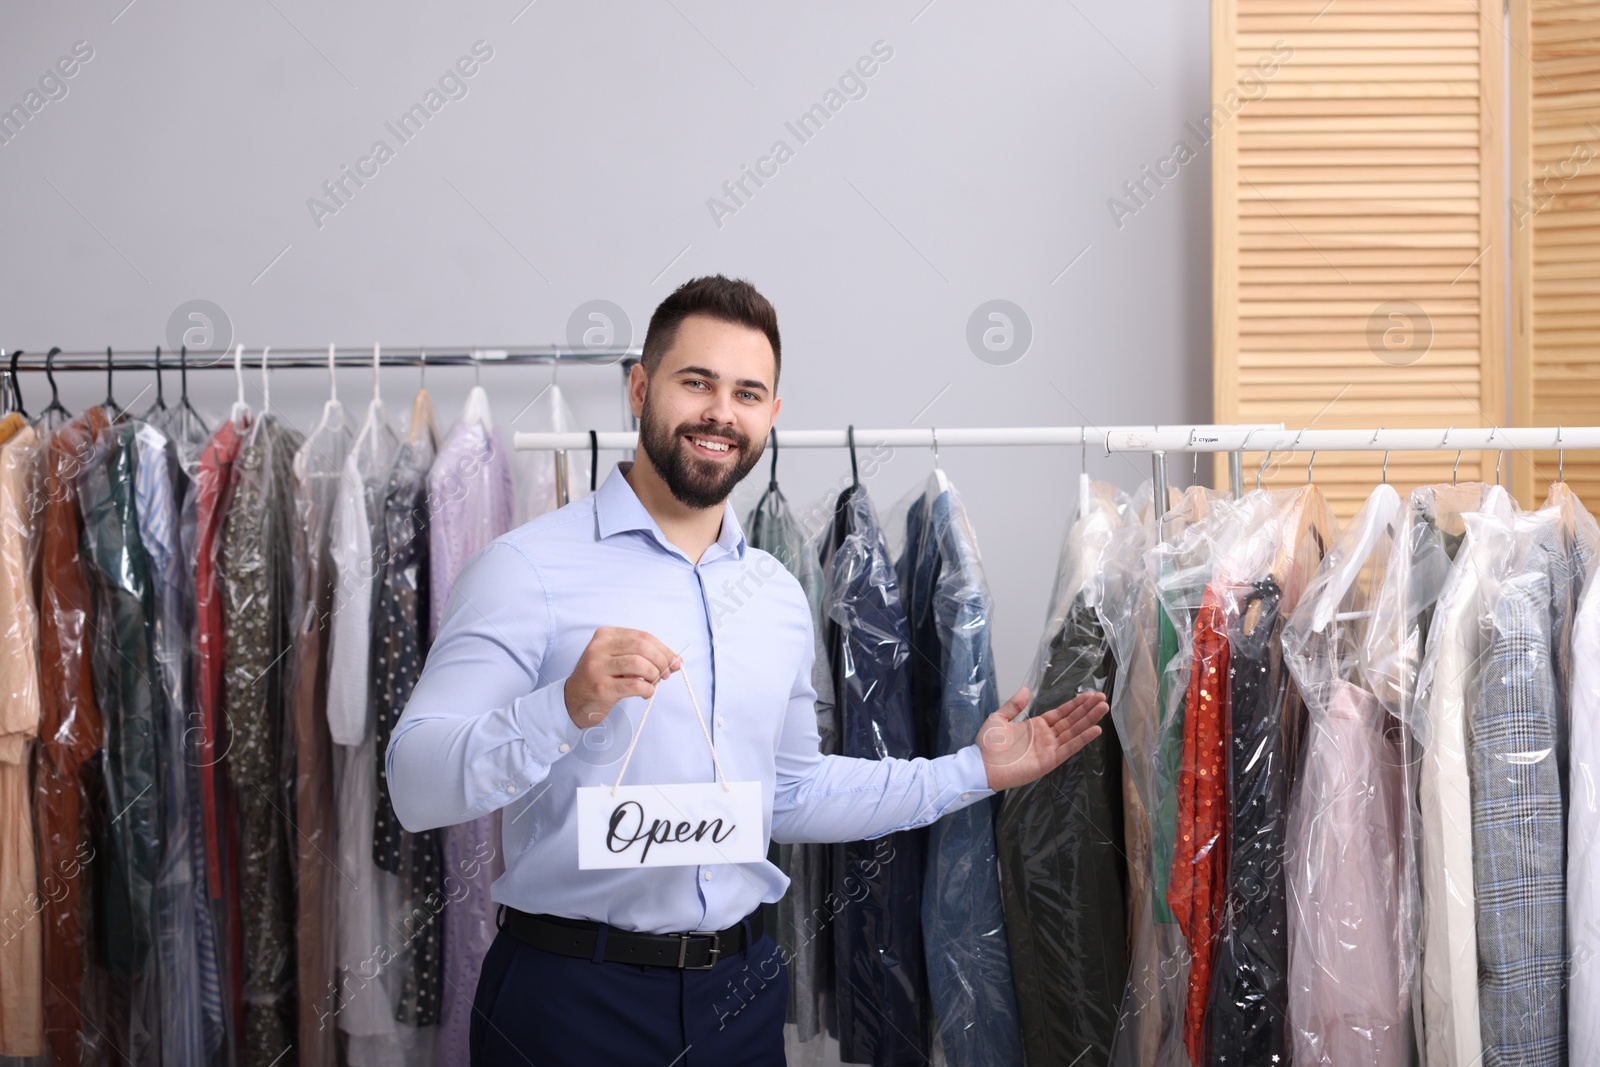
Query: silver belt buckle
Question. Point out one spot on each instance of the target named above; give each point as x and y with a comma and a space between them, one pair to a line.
683, 952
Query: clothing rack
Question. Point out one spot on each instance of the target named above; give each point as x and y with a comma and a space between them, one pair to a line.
893, 438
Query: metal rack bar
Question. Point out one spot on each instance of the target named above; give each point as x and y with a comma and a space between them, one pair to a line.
1444, 439
894, 438
34, 361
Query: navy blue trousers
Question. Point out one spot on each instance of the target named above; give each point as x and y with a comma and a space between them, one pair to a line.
535, 1007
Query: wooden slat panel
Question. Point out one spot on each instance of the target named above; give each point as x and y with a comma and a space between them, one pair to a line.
1364, 169
1555, 229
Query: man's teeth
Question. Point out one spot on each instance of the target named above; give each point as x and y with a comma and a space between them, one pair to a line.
713, 445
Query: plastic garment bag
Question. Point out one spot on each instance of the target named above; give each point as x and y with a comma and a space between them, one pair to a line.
880, 983
1583, 831
257, 584
1260, 582
158, 481
1352, 947
1060, 837
469, 503
535, 470
1450, 673
1516, 751
1147, 700
123, 663
317, 468
399, 623
948, 609
771, 527
22, 894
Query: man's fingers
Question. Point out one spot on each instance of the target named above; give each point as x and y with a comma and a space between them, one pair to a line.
640, 643
1013, 707
1077, 707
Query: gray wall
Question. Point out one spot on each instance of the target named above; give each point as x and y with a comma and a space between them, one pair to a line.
578, 166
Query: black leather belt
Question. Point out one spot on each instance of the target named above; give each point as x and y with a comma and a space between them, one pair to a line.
578, 937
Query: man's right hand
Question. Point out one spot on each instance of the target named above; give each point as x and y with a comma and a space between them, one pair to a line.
617, 663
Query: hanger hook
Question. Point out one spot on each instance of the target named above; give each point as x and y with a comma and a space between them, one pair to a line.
266, 385
422, 370
850, 439
1309, 462
772, 484
238, 371
935, 432
376, 395
161, 396
333, 379
111, 401
1454, 469
1561, 455
594, 460
16, 386
50, 375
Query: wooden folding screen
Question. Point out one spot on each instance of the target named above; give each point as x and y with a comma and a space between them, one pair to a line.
1358, 206
1555, 233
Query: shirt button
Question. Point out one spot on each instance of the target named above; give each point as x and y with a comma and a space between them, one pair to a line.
966, 796
564, 746
510, 788
719, 721
708, 876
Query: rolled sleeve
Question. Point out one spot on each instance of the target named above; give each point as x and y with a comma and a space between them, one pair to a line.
824, 799
482, 727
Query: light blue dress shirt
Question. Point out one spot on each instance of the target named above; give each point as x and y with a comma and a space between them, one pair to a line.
487, 725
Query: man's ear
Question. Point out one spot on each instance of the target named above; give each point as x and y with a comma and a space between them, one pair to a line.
638, 385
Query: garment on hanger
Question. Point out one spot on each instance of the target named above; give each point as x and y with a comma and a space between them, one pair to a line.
472, 501
1517, 754
1060, 838
318, 466
366, 895
180, 880
791, 921
1583, 831
398, 627
257, 582
1352, 948
21, 951
1449, 676
1268, 569
70, 735
880, 979
535, 471
122, 660
964, 928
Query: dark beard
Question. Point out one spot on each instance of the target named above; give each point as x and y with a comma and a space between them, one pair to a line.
693, 481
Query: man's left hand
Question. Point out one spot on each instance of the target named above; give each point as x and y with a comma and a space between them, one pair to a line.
1015, 753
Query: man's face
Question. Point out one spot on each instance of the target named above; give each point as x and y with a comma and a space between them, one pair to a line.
705, 413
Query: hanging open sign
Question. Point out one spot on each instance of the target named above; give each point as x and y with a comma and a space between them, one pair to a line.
669, 825
686, 824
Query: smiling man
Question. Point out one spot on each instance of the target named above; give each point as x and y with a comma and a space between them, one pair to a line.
555, 638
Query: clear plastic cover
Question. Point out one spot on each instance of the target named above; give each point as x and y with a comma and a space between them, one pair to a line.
257, 586
158, 486
1258, 584
22, 893
122, 660
1352, 944
1065, 879
1583, 829
964, 930
771, 527
536, 469
880, 984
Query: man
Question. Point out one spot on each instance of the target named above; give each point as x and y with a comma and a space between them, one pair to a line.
556, 636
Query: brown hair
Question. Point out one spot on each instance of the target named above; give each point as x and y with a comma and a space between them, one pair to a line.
729, 300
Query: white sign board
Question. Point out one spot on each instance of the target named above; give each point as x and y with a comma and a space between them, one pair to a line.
669, 825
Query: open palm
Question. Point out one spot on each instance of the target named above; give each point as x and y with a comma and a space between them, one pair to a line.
1015, 753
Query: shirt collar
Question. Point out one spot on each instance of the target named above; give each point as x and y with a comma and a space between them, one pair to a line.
617, 509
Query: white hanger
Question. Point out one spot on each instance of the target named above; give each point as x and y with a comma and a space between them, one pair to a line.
266, 382
937, 482
241, 410
1380, 513
332, 411
376, 433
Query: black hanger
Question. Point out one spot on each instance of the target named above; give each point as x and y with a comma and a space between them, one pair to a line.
16, 386
772, 483
161, 397
111, 401
850, 439
594, 459
55, 404
183, 381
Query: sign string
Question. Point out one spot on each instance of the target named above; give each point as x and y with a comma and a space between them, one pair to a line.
684, 671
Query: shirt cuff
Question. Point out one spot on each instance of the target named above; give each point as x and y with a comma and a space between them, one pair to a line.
970, 776
547, 729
